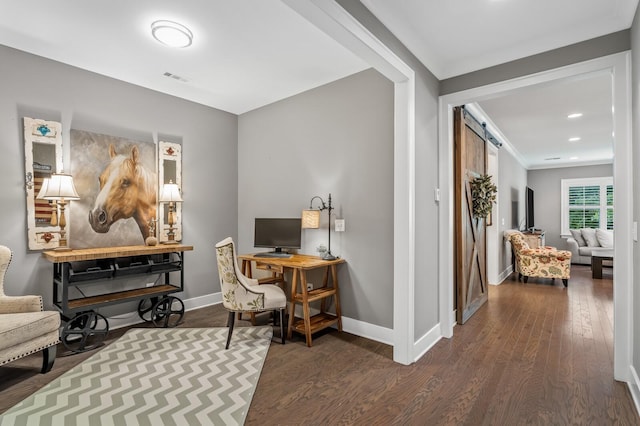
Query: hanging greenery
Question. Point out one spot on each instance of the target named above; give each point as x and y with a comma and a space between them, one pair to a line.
483, 193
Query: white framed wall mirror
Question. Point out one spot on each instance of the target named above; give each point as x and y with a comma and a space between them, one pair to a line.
43, 156
169, 171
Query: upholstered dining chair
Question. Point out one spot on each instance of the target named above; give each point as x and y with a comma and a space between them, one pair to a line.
543, 262
25, 327
243, 294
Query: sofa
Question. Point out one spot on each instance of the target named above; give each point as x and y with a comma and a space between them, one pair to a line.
583, 241
25, 327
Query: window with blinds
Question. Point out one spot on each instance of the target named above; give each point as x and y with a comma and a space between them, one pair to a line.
587, 203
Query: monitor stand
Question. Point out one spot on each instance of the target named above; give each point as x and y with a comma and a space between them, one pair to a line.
277, 253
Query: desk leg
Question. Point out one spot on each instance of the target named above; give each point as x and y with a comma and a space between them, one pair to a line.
292, 309
325, 284
246, 268
305, 306
334, 277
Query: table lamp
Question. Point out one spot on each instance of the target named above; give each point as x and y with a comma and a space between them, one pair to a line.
311, 220
54, 209
170, 194
60, 188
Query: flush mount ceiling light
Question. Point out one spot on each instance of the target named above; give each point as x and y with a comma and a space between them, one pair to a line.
574, 139
575, 115
171, 33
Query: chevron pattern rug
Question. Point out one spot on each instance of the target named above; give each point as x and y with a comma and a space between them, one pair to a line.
176, 376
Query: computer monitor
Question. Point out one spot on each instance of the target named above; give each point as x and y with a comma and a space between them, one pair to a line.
278, 233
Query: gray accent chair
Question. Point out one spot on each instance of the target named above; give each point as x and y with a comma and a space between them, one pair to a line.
25, 327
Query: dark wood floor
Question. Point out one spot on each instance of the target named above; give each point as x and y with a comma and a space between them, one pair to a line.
535, 354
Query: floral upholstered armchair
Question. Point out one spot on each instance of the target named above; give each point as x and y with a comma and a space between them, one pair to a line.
543, 262
243, 294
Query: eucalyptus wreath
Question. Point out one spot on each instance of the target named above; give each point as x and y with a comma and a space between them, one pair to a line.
483, 194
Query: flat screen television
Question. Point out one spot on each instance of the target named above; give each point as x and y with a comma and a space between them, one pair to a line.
278, 234
530, 220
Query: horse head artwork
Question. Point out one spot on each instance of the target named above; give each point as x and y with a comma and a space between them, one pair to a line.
127, 189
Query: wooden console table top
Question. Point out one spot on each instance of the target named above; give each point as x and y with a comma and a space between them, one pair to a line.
111, 252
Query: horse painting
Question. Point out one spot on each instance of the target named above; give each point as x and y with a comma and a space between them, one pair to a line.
127, 189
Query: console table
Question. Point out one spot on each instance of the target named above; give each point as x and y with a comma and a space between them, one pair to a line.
85, 329
299, 264
534, 239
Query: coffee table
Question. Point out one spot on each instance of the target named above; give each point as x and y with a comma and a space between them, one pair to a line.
597, 256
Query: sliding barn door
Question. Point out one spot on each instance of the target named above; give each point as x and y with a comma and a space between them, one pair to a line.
470, 232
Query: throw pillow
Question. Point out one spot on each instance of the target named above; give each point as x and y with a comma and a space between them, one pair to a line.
590, 238
577, 235
605, 237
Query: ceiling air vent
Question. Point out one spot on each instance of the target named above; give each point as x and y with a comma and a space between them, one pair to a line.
175, 77
551, 158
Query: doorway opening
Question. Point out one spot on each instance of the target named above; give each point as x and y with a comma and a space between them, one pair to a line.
618, 67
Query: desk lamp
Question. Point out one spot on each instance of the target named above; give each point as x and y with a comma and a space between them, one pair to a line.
311, 220
60, 188
170, 194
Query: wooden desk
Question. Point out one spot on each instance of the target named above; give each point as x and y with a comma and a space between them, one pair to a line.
299, 264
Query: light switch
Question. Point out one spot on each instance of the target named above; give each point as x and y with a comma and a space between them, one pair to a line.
339, 225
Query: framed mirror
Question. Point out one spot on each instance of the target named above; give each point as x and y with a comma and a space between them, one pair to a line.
43, 156
169, 171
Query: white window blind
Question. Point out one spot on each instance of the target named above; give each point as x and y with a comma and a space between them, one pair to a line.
587, 203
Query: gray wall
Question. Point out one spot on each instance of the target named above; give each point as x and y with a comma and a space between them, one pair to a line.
426, 211
546, 186
41, 88
635, 93
336, 139
572, 54
512, 180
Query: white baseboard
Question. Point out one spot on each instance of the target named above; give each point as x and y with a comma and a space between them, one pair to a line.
426, 342
505, 274
202, 301
368, 331
634, 388
359, 328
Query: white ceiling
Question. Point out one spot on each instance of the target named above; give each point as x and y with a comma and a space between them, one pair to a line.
250, 53
534, 121
245, 53
454, 37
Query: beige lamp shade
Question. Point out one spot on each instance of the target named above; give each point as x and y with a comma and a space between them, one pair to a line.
43, 189
58, 187
170, 193
310, 219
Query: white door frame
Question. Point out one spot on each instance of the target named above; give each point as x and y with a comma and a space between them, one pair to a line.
331, 18
618, 66
493, 232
